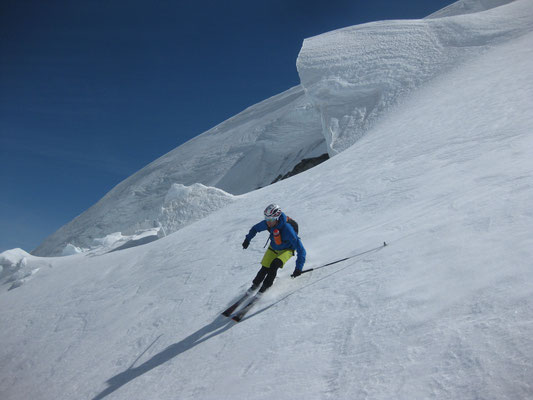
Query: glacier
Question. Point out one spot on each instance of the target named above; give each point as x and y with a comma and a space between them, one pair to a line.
353, 75
350, 78
444, 176
248, 151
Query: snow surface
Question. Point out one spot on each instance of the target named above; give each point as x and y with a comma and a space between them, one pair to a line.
349, 80
17, 267
353, 75
182, 205
241, 154
445, 311
468, 7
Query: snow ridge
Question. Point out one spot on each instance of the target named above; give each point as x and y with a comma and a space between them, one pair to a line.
244, 153
444, 312
350, 79
354, 75
464, 7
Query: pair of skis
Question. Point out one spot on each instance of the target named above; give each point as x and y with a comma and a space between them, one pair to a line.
237, 317
252, 299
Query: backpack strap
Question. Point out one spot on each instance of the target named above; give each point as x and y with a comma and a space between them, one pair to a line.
293, 223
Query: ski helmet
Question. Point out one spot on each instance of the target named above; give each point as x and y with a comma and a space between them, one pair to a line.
272, 212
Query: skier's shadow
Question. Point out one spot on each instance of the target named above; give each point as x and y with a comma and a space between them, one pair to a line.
215, 328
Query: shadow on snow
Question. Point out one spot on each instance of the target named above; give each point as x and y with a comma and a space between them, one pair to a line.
215, 328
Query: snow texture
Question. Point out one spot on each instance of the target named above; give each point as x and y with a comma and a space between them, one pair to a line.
17, 267
445, 311
186, 204
241, 154
354, 75
468, 7
349, 80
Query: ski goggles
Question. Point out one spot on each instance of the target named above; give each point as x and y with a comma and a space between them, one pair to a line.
271, 219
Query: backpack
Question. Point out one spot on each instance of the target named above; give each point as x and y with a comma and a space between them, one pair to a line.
294, 224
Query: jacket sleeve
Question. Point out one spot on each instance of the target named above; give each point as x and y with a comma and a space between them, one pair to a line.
261, 226
297, 245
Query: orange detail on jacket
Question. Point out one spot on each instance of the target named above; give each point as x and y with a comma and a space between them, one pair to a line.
277, 237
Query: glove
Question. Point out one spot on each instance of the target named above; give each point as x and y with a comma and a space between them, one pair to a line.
296, 273
245, 244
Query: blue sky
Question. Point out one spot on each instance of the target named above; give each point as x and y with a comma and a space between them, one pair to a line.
92, 91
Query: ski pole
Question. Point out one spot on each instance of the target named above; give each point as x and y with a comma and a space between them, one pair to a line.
346, 258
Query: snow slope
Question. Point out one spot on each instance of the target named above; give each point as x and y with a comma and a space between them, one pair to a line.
463, 7
349, 80
353, 75
241, 154
445, 311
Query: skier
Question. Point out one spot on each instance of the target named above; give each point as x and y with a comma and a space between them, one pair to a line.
283, 242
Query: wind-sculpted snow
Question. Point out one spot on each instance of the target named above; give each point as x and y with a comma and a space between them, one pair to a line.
350, 78
17, 267
241, 154
463, 7
186, 204
355, 75
445, 311
163, 214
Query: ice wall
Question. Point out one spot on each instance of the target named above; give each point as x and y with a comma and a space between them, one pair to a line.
354, 75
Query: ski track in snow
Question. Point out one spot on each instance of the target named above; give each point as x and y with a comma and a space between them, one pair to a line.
445, 311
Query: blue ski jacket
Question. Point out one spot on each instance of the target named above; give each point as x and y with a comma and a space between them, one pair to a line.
289, 238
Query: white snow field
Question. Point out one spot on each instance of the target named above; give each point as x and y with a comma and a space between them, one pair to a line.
350, 78
354, 75
445, 311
